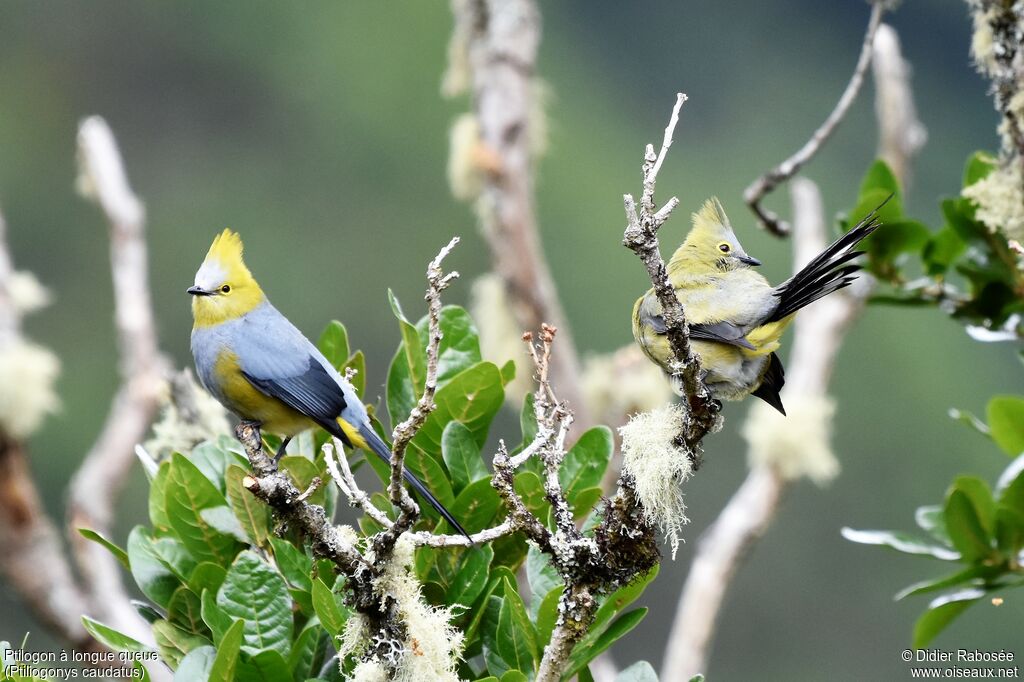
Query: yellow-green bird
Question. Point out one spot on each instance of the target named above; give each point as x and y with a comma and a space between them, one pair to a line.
260, 366
736, 317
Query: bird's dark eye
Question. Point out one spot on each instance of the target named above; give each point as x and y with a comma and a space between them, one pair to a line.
724, 247
225, 289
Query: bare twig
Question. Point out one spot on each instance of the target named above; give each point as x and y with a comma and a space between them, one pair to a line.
95, 485
641, 237
403, 434
501, 39
757, 190
900, 133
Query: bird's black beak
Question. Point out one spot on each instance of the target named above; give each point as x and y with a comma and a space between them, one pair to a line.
748, 260
197, 291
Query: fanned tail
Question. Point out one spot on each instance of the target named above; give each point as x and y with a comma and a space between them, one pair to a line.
377, 444
829, 271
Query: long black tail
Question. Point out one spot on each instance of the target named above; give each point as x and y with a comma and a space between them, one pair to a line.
384, 452
829, 271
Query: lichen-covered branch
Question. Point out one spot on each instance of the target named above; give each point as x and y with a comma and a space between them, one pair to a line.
998, 50
758, 189
493, 53
95, 485
641, 237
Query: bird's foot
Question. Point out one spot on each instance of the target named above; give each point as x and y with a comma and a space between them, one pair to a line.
280, 450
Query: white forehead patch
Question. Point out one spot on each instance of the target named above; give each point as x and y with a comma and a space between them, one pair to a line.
210, 275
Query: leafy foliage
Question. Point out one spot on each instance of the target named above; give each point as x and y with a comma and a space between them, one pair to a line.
978, 528
962, 266
232, 597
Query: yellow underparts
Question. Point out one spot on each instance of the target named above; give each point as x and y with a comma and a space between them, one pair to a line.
352, 434
249, 403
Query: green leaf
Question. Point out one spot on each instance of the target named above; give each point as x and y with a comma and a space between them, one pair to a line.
207, 576
333, 343
1010, 488
223, 668
293, 563
401, 395
471, 578
428, 470
514, 676
584, 464
188, 492
250, 512
901, 542
547, 615
174, 643
894, 238
472, 397
980, 496
941, 613
879, 178
970, 573
223, 520
930, 519
415, 357
174, 555
111, 638
461, 455
959, 215
641, 671
1005, 415
184, 610
304, 660
585, 501
212, 460
979, 164
460, 342
516, 636
266, 666
618, 629
541, 576
158, 500
495, 586
257, 594
327, 610
214, 616
1009, 530
530, 489
489, 634
119, 554
196, 665
891, 212
476, 506
942, 249
965, 527
508, 372
302, 471
151, 574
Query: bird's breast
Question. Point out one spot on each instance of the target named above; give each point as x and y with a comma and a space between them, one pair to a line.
242, 398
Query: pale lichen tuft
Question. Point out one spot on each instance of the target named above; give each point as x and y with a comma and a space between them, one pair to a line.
653, 455
796, 445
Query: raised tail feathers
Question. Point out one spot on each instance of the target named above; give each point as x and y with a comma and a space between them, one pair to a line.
829, 271
377, 444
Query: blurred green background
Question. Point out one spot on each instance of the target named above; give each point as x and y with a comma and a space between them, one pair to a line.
317, 130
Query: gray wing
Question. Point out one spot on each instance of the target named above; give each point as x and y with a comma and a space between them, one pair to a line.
280, 362
721, 332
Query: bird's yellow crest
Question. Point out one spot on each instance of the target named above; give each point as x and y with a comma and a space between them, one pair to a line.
711, 217
226, 250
